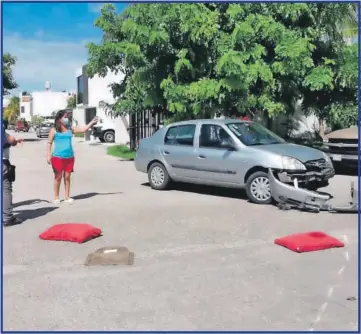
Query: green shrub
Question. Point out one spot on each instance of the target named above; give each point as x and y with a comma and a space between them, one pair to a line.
121, 151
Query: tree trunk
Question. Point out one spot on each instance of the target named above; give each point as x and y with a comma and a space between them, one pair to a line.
321, 130
269, 121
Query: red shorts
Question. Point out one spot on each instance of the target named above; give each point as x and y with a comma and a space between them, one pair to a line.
61, 165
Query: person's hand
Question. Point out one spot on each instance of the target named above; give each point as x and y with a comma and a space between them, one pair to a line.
94, 120
19, 141
49, 160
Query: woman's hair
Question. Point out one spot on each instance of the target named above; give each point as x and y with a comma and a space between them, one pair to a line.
59, 115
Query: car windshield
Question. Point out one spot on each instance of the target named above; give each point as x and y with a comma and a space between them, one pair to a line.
251, 134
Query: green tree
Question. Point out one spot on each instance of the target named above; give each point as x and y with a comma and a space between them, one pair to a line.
331, 88
12, 111
37, 120
71, 101
332, 94
344, 111
7, 73
193, 60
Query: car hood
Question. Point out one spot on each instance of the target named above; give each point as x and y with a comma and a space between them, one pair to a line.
348, 133
302, 153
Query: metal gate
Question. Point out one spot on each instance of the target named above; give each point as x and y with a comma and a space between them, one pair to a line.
143, 125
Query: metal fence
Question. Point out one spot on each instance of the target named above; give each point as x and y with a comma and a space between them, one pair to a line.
143, 125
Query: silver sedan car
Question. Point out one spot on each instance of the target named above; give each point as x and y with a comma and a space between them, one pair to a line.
43, 130
229, 153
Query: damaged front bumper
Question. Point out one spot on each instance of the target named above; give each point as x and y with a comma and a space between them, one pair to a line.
292, 196
308, 179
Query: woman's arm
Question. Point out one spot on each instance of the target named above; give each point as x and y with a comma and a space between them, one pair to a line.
82, 129
50, 144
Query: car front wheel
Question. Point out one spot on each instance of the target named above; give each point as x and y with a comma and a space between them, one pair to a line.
258, 188
109, 136
158, 176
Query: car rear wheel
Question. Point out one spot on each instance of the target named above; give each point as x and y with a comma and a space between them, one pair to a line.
258, 188
158, 176
109, 136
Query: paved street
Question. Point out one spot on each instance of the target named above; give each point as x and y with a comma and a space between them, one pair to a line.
204, 258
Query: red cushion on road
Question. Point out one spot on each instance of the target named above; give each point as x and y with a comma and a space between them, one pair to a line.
308, 242
71, 232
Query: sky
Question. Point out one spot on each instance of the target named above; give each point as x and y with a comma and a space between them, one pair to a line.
49, 41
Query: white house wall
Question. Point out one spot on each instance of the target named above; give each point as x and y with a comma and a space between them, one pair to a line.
27, 110
99, 94
301, 124
99, 89
79, 117
45, 103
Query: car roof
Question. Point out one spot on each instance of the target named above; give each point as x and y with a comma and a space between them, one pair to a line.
208, 121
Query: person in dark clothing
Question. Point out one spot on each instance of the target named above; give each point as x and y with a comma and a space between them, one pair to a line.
8, 177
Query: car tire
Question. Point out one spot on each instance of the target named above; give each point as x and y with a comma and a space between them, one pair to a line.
109, 136
158, 176
258, 188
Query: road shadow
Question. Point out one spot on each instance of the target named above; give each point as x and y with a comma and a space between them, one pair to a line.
27, 140
207, 190
35, 213
30, 202
89, 195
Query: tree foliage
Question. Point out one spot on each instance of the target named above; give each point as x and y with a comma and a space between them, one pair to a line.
333, 90
194, 60
37, 120
12, 111
71, 101
9, 82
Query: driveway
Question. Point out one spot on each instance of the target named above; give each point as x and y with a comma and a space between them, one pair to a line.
204, 259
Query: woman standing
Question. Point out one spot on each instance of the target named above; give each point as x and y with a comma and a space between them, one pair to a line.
61, 157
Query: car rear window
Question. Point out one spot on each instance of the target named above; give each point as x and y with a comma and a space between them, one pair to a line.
180, 135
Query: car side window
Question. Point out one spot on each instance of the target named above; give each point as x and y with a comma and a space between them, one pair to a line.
212, 136
180, 135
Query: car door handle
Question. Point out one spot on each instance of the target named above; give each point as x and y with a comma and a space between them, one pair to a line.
165, 152
201, 157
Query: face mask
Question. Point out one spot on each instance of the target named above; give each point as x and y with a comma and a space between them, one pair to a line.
66, 121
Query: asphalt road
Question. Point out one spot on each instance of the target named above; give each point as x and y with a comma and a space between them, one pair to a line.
204, 257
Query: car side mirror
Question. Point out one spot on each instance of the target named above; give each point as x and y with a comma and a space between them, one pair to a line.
227, 145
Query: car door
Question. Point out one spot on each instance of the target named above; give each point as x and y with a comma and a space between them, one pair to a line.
214, 162
178, 150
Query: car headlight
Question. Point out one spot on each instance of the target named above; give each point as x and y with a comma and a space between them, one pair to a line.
290, 163
328, 160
